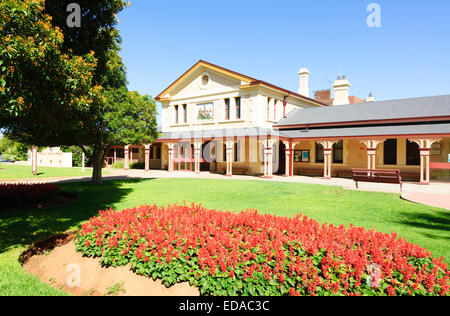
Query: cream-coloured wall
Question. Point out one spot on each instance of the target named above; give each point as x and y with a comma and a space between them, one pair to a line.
219, 88
52, 157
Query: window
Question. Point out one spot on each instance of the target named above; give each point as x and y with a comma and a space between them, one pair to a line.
238, 108
268, 108
224, 152
275, 102
284, 109
301, 155
237, 151
338, 152
176, 114
390, 152
158, 152
185, 113
412, 154
205, 80
319, 153
227, 109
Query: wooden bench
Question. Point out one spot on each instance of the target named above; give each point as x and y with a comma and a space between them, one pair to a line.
380, 176
240, 170
315, 172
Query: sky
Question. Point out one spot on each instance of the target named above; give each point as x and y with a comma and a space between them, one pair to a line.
407, 56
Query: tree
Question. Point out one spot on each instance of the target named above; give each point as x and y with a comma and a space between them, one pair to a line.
59, 84
12, 150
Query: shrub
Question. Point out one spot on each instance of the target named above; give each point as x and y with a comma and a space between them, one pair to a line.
118, 165
224, 253
24, 194
137, 165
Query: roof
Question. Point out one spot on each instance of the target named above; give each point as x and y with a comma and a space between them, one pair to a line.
370, 131
382, 111
219, 133
251, 81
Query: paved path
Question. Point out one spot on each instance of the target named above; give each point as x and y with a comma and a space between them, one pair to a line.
432, 199
435, 194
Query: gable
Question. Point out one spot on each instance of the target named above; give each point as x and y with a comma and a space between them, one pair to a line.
204, 81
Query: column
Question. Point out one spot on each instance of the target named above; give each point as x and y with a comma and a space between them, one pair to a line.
127, 157
147, 157
424, 146
293, 144
371, 146
327, 158
34, 161
115, 155
229, 144
170, 152
287, 144
197, 156
268, 158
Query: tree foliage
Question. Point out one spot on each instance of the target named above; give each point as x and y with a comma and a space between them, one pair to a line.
13, 150
62, 86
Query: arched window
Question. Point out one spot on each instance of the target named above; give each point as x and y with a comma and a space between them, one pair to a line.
338, 152
412, 154
390, 152
319, 153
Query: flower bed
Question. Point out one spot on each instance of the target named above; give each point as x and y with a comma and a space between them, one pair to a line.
26, 194
225, 253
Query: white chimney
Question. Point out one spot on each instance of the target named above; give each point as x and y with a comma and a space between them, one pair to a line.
304, 82
341, 88
370, 98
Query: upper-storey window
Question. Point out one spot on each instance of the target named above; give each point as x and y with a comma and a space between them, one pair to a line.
176, 114
275, 102
185, 113
238, 108
268, 108
227, 109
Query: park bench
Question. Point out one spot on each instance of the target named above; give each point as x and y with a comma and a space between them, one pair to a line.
308, 172
380, 176
239, 170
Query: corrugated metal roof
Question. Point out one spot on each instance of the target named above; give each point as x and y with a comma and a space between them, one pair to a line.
219, 133
382, 110
391, 130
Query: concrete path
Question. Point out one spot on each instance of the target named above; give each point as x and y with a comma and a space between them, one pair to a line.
435, 194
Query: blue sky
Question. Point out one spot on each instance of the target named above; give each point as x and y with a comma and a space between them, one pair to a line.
408, 56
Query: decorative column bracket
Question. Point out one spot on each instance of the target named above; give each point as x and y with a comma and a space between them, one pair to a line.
425, 146
327, 158
371, 146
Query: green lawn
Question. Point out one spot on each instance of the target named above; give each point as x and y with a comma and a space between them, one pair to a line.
419, 224
8, 171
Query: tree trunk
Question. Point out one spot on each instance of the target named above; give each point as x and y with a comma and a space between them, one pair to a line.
97, 164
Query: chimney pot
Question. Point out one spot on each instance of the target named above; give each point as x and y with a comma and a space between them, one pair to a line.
304, 82
341, 91
370, 98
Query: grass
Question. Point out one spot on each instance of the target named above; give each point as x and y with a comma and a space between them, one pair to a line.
9, 171
116, 289
427, 226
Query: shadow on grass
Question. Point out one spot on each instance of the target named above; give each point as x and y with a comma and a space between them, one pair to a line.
23, 227
432, 221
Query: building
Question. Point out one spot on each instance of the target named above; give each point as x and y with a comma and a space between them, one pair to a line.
52, 157
215, 119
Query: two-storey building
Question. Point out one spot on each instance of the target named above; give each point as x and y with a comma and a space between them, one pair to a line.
217, 120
